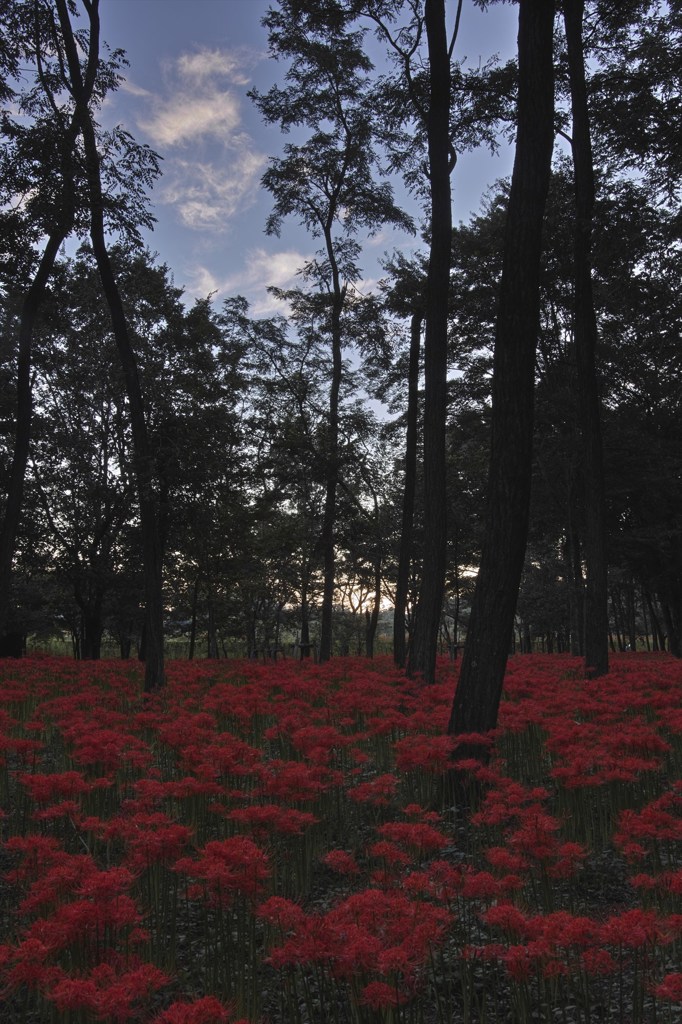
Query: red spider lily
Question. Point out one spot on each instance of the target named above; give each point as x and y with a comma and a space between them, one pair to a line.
394, 919
481, 885
536, 838
371, 930
390, 853
416, 811
290, 780
563, 930
660, 821
105, 749
190, 787
66, 809
319, 743
228, 757
202, 1011
568, 856
519, 962
64, 785
107, 995
228, 868
446, 879
59, 881
27, 964
378, 995
505, 860
670, 989
283, 913
631, 929
598, 962
341, 862
377, 792
83, 922
508, 918
149, 838
424, 753
263, 820
419, 837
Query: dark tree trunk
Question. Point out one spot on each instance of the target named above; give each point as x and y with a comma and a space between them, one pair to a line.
477, 698
211, 632
645, 621
671, 607
409, 489
63, 223
372, 617
143, 458
630, 608
305, 616
193, 625
91, 642
657, 633
576, 582
585, 332
332, 454
617, 608
24, 414
423, 649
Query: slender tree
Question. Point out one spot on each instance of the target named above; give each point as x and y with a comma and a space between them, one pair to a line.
477, 698
586, 337
39, 161
326, 182
76, 83
422, 655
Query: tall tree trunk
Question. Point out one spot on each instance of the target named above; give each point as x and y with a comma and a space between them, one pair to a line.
409, 489
656, 632
211, 632
422, 656
478, 693
305, 617
22, 430
585, 332
143, 458
193, 624
329, 513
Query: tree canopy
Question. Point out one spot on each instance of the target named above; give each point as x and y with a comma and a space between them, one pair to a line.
334, 477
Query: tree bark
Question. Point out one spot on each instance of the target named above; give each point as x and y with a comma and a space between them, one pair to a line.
409, 489
143, 458
22, 431
477, 698
34, 297
422, 656
329, 512
586, 337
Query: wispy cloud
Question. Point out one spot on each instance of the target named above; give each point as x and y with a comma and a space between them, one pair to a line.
198, 103
262, 270
212, 166
205, 64
206, 195
127, 85
186, 118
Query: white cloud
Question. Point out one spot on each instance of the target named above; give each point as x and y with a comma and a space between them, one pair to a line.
206, 195
127, 85
261, 271
198, 105
185, 118
211, 168
205, 64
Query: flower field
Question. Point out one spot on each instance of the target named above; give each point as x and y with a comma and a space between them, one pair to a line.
278, 843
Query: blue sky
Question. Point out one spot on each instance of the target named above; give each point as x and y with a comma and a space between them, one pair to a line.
191, 65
